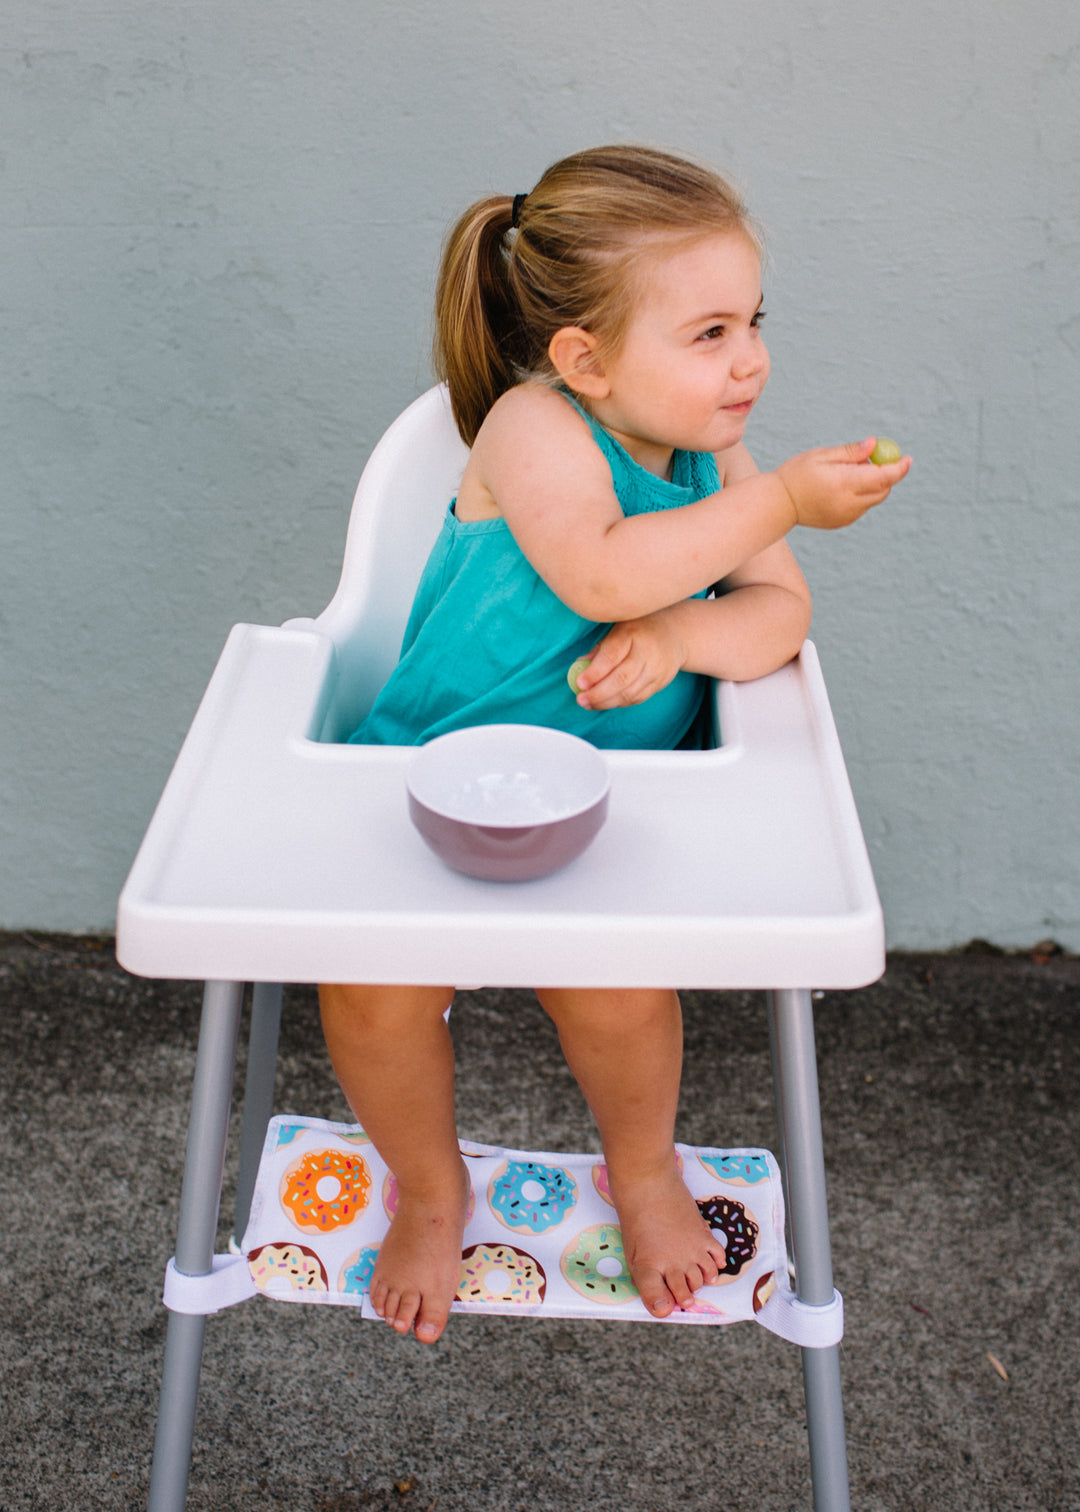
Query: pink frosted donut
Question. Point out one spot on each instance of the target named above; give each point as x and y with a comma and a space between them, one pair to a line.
697, 1308
600, 1178
600, 1182
390, 1197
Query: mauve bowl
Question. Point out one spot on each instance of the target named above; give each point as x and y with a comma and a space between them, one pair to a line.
507, 802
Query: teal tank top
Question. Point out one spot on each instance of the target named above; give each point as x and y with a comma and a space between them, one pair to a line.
488, 642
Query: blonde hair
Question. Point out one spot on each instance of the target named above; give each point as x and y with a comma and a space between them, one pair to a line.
506, 286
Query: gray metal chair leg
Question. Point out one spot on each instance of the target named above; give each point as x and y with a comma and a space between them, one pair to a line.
199, 1202
258, 1093
799, 1112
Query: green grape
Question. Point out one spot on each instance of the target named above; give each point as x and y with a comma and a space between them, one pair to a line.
884, 452
575, 672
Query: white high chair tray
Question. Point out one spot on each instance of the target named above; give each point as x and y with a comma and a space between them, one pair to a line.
273, 856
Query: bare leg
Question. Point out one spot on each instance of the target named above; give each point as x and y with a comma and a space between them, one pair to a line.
392, 1054
625, 1049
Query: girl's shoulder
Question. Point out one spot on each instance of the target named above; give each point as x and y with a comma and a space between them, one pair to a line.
533, 404
530, 421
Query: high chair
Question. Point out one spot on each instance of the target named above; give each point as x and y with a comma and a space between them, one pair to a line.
278, 854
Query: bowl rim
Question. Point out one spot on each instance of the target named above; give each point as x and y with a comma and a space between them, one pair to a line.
546, 732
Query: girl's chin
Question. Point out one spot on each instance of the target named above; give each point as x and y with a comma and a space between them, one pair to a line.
729, 432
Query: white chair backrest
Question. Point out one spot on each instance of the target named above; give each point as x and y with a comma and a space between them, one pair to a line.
397, 512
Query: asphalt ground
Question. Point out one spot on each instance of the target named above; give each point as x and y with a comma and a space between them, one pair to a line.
951, 1111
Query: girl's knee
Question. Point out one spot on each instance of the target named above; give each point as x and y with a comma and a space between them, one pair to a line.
616, 1008
371, 1008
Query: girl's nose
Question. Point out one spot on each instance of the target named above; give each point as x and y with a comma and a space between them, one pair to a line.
750, 357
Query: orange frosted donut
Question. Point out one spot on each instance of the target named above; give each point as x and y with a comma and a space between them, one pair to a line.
325, 1189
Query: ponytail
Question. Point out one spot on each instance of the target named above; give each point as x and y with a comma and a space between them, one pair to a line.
476, 329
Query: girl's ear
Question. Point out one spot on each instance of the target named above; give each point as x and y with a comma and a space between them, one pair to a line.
575, 356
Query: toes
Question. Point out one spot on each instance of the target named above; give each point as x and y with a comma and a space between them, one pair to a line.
430, 1325
654, 1293
679, 1287
408, 1305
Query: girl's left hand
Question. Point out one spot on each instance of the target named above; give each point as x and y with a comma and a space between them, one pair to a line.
635, 659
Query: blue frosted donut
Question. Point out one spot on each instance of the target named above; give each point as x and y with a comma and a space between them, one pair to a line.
356, 1272
531, 1198
737, 1170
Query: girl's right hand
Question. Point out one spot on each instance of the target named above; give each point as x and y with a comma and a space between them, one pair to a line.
834, 486
633, 661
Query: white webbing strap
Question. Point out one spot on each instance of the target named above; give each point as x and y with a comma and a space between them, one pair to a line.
227, 1283
802, 1324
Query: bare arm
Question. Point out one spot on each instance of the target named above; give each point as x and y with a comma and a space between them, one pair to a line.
758, 623
537, 464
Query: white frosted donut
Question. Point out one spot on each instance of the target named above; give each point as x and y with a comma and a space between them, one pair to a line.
500, 1273
277, 1266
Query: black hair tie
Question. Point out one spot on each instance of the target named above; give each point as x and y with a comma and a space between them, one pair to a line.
515, 213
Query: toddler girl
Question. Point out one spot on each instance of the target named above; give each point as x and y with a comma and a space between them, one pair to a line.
601, 339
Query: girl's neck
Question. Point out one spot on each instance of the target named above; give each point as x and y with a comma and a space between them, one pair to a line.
654, 457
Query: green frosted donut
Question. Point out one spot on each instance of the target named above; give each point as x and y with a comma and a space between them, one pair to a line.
595, 1265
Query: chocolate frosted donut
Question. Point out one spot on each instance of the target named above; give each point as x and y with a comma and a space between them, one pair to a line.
739, 1227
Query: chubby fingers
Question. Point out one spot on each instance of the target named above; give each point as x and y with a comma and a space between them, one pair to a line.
633, 661
876, 480
869, 481
856, 452
851, 451
607, 678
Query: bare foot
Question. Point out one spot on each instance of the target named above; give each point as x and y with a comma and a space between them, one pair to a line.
418, 1268
670, 1249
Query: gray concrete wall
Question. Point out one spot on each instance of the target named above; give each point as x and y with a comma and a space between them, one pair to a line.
219, 229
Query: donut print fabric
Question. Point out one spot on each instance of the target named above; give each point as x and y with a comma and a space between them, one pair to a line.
542, 1236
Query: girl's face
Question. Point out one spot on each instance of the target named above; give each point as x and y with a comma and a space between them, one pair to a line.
693, 363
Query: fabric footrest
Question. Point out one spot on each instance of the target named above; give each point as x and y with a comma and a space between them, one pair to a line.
542, 1238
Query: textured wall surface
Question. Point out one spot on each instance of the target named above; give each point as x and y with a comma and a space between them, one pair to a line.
219, 230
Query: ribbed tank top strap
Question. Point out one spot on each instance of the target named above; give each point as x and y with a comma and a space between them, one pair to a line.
694, 474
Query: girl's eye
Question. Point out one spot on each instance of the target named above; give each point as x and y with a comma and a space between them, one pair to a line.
758, 318
712, 334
